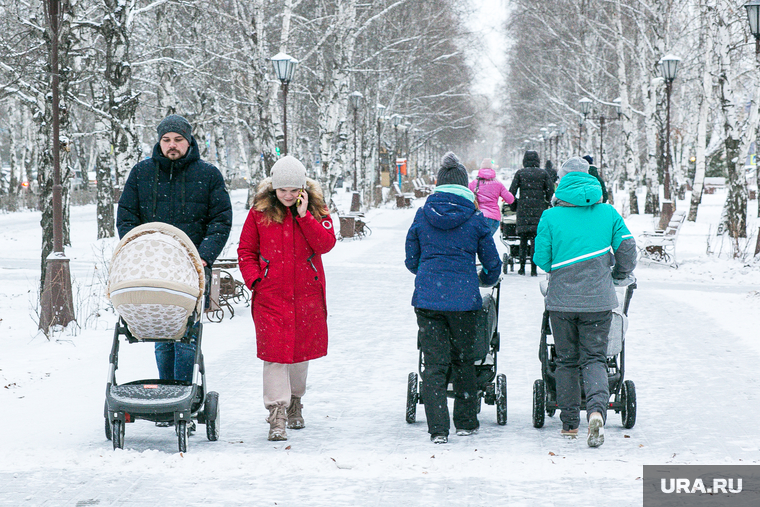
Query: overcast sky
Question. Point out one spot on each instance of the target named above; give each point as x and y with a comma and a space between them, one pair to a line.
486, 25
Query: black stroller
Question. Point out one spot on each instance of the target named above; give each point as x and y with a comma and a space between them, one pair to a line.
510, 239
622, 392
156, 284
493, 393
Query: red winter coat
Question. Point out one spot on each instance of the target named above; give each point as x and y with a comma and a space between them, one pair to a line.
289, 300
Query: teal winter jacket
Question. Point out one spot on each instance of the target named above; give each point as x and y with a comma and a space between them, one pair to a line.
583, 243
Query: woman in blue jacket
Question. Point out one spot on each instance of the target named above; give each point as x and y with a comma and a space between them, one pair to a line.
447, 234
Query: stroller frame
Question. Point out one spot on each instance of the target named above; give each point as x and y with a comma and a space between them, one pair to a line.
158, 400
622, 392
493, 393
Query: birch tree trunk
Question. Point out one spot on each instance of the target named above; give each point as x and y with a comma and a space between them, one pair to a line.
704, 109
628, 131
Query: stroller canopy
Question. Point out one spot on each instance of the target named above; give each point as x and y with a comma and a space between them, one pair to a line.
156, 281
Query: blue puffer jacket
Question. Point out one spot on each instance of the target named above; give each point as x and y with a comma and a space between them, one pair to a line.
441, 245
187, 193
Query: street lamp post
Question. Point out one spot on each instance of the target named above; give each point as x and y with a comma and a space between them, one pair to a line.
753, 15
585, 104
284, 68
669, 65
356, 99
396, 120
56, 303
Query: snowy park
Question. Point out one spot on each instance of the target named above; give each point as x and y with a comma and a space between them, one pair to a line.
691, 350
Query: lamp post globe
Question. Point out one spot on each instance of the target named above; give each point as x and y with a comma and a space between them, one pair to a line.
284, 67
753, 15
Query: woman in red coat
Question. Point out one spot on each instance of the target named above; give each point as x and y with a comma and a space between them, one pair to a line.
284, 236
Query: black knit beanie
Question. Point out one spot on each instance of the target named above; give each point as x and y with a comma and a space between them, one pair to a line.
451, 171
175, 123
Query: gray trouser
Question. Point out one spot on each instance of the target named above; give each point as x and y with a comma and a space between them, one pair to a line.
580, 340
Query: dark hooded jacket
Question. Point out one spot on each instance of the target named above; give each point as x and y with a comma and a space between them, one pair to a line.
535, 188
441, 245
187, 193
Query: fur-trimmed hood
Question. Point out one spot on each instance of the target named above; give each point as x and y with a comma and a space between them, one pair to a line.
266, 200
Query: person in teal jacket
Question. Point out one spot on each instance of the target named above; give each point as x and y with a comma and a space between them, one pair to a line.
582, 244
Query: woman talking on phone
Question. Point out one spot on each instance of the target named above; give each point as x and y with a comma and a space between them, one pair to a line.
284, 236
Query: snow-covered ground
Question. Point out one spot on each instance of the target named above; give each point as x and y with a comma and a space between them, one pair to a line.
691, 351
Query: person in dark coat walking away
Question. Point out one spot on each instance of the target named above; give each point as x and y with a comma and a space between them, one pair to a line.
280, 256
535, 189
594, 171
487, 190
176, 187
583, 244
447, 234
551, 171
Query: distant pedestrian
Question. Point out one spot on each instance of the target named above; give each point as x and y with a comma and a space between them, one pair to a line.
280, 256
535, 189
594, 171
551, 171
487, 191
583, 244
447, 234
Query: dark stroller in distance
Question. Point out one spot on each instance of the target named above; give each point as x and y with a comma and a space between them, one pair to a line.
622, 392
509, 237
156, 284
493, 393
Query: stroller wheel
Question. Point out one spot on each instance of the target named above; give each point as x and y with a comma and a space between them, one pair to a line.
539, 403
182, 436
411, 398
117, 434
211, 416
628, 412
501, 399
108, 428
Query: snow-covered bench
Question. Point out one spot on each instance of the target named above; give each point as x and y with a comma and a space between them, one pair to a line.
403, 200
660, 245
421, 189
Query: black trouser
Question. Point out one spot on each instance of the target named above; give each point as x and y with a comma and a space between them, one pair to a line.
527, 241
447, 340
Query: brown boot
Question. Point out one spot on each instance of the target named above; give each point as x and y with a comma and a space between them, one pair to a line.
295, 418
276, 420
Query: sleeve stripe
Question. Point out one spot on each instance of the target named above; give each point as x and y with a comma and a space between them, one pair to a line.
582, 257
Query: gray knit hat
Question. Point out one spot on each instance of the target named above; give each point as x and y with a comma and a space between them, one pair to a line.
175, 123
575, 164
451, 171
288, 172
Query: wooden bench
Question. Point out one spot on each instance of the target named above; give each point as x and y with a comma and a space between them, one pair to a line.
352, 226
421, 189
403, 200
660, 245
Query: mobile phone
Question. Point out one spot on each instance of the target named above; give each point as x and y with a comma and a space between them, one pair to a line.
298, 201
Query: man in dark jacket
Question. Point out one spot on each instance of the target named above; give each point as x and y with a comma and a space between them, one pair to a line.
176, 187
594, 171
551, 171
536, 189
447, 234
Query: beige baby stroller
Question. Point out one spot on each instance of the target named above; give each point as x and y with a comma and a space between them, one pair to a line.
156, 284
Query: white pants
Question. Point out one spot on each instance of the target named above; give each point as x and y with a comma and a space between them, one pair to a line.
281, 381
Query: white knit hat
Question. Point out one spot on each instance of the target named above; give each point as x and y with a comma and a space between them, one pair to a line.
288, 172
575, 164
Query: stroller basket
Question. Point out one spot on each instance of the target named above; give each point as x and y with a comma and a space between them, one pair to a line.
156, 281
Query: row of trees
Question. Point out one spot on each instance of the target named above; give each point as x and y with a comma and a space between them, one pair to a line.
565, 50
125, 64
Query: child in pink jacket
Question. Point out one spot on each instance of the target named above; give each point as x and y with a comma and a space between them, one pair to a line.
487, 191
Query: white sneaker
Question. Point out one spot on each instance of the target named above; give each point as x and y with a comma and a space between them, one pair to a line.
467, 433
439, 439
595, 430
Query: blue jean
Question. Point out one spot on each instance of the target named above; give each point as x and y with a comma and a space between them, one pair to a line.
175, 360
493, 225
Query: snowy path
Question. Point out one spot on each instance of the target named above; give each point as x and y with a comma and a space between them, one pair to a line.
694, 369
